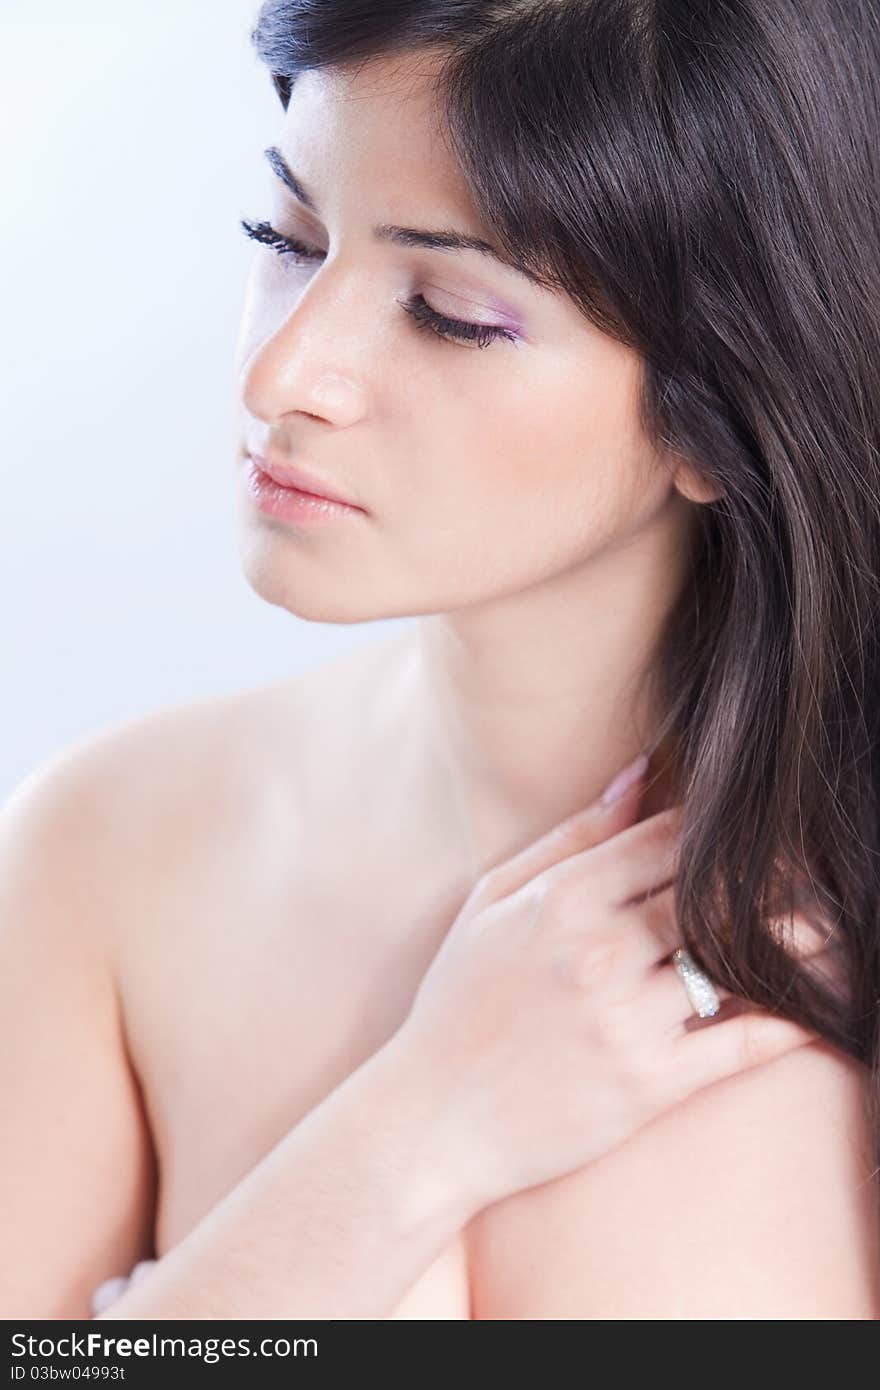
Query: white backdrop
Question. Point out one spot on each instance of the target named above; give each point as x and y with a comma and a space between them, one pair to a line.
132, 143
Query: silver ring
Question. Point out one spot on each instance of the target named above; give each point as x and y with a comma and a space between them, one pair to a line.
698, 987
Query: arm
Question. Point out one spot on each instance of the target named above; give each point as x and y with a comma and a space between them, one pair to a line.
77, 1175
754, 1199
337, 1221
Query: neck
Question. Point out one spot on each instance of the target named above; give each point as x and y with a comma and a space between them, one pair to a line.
530, 704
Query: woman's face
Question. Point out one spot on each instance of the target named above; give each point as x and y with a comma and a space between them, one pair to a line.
481, 471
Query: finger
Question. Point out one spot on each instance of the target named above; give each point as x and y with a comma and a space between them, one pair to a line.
642, 858
571, 836
650, 932
636, 940
664, 1004
639, 860
750, 1039
141, 1268
652, 927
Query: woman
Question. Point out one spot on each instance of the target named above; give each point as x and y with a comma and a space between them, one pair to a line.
574, 307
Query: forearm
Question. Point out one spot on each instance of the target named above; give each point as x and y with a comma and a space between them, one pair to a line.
338, 1220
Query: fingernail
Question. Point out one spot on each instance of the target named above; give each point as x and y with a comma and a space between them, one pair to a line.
624, 779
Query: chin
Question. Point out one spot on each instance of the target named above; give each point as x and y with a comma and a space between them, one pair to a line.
330, 601
316, 590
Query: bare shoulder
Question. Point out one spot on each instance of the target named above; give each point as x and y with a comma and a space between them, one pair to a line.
139, 795
757, 1198
178, 751
121, 856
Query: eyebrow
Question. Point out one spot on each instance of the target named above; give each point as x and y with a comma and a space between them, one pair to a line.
435, 240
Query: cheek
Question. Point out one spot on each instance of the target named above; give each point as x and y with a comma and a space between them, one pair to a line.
547, 435
538, 468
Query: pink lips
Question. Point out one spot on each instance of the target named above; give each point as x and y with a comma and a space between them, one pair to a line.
285, 475
292, 504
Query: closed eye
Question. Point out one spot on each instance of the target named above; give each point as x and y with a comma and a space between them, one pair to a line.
422, 314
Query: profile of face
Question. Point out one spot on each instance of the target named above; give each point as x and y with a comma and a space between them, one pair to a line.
482, 467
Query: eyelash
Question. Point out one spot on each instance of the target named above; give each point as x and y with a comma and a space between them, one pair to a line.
421, 312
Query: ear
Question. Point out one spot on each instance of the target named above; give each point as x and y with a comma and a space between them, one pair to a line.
692, 486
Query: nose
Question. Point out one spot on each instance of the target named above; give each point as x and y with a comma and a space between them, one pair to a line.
307, 363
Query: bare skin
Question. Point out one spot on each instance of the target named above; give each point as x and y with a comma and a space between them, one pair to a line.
319, 964
303, 970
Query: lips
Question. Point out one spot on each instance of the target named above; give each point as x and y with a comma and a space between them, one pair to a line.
287, 476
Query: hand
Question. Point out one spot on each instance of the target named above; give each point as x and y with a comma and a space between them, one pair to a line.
551, 1025
111, 1289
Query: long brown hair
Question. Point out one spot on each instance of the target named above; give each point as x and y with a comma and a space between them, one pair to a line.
703, 179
